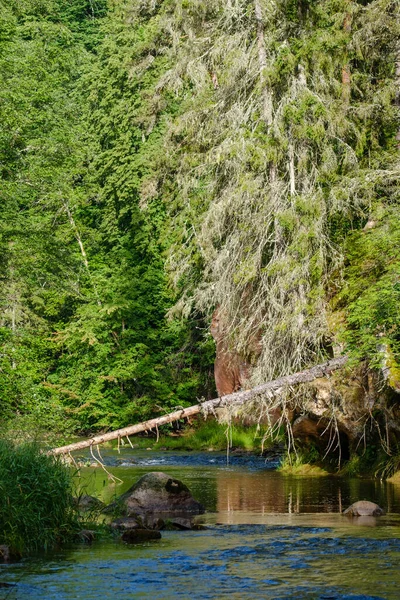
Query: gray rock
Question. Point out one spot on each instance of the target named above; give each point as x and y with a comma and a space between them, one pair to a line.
86, 536
135, 536
181, 523
157, 494
364, 508
125, 523
4, 553
86, 503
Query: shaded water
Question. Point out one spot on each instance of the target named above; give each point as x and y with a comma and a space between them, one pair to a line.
268, 536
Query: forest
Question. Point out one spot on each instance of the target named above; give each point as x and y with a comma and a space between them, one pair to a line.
186, 177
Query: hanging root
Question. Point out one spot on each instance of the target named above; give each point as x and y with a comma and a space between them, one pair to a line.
113, 478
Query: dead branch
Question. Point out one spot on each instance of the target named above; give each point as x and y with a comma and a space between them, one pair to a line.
236, 399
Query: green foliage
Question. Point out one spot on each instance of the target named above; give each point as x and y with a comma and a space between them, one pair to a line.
85, 340
264, 161
367, 460
83, 18
389, 465
371, 294
39, 152
36, 505
352, 466
120, 359
212, 435
164, 158
306, 462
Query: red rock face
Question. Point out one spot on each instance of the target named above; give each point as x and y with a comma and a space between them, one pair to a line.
230, 369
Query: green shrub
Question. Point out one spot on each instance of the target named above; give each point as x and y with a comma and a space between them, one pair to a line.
36, 506
388, 465
371, 294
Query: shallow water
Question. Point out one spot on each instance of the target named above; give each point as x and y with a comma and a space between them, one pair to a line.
268, 536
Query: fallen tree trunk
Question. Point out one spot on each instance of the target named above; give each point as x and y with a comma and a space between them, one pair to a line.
237, 399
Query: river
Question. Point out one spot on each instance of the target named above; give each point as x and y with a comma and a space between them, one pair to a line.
268, 536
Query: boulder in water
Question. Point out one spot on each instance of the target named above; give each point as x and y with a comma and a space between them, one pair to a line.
364, 508
136, 536
158, 494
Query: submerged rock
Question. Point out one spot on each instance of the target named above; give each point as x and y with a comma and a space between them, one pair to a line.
364, 508
155, 523
135, 536
138, 522
158, 494
181, 523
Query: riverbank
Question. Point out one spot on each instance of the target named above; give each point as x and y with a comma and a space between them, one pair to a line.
209, 436
212, 436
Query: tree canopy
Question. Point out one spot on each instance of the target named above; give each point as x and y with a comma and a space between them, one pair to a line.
162, 159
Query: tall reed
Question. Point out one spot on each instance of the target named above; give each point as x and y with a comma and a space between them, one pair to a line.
36, 506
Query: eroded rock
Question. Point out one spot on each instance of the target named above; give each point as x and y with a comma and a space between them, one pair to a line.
230, 369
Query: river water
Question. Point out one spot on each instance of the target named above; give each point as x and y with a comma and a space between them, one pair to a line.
268, 536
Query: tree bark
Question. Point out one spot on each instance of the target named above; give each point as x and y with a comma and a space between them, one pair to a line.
262, 60
292, 171
236, 399
77, 236
346, 73
397, 67
81, 247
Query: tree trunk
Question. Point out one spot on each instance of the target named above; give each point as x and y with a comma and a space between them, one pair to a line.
77, 236
346, 73
398, 87
81, 247
236, 399
292, 171
262, 61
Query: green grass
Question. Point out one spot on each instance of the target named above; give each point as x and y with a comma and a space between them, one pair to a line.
208, 435
305, 463
37, 511
302, 469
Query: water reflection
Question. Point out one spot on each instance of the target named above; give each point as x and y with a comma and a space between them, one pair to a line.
243, 488
269, 536
270, 492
